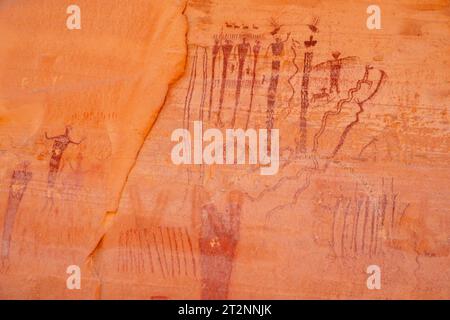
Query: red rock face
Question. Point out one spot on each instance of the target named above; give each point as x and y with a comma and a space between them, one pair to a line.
93, 206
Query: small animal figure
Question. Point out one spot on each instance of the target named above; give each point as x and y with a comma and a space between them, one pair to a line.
321, 95
276, 27
310, 42
313, 25
366, 76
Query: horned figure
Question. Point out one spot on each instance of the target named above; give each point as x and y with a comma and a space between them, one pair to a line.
60, 144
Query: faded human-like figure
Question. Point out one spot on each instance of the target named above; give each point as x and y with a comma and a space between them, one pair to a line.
19, 182
218, 239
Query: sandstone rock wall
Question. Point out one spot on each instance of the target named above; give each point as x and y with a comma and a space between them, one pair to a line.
87, 178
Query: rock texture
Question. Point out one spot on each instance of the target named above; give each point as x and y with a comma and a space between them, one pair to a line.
87, 179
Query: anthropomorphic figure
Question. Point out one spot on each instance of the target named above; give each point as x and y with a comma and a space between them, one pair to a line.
243, 50
19, 181
256, 49
215, 53
227, 49
335, 67
277, 50
60, 144
219, 236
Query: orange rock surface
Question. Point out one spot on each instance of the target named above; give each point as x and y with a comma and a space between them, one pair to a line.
87, 178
